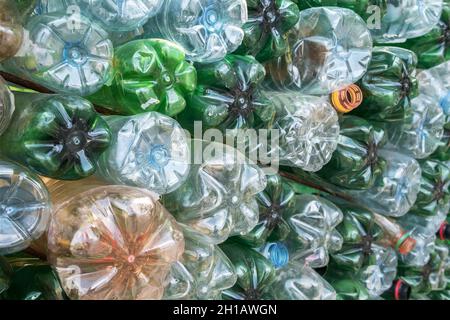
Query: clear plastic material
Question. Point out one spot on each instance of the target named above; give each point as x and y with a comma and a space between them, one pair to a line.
404, 19
203, 272
24, 208
149, 151
68, 54
395, 191
206, 29
308, 130
113, 15
312, 221
421, 131
296, 282
328, 49
11, 31
6, 105
112, 242
420, 255
218, 199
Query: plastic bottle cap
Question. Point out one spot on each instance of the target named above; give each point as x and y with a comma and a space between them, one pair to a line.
444, 231
405, 244
347, 99
402, 291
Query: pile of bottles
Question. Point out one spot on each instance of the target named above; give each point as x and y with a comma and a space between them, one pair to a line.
224, 149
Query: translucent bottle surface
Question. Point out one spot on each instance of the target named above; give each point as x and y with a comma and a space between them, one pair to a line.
395, 192
7, 105
420, 255
421, 131
206, 29
149, 151
68, 54
58, 136
328, 49
113, 15
111, 242
218, 199
24, 208
11, 30
308, 130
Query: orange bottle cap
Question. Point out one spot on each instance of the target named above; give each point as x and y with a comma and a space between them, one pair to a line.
347, 99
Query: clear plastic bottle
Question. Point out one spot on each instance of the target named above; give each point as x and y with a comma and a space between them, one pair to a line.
113, 15
206, 29
297, 282
308, 130
111, 242
202, 273
421, 131
58, 136
328, 49
24, 207
395, 191
7, 105
11, 31
149, 150
420, 255
218, 200
66, 53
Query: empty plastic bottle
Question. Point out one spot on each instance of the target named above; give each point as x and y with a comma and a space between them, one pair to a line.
269, 21
111, 242
390, 20
328, 49
11, 30
297, 282
7, 105
218, 199
432, 48
389, 85
395, 191
421, 131
65, 53
364, 255
348, 288
32, 279
24, 207
203, 272
421, 254
113, 15
148, 75
58, 136
206, 29
149, 151
356, 163
308, 130
228, 96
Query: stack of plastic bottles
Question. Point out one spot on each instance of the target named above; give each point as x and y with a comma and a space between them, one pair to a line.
224, 149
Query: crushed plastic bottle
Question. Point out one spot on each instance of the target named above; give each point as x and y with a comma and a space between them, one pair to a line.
58, 136
296, 282
111, 242
269, 21
308, 129
113, 15
203, 272
7, 105
24, 208
218, 199
207, 30
11, 30
421, 254
390, 21
149, 150
148, 75
356, 163
421, 131
328, 49
65, 53
228, 96
389, 85
395, 191
432, 48
364, 255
